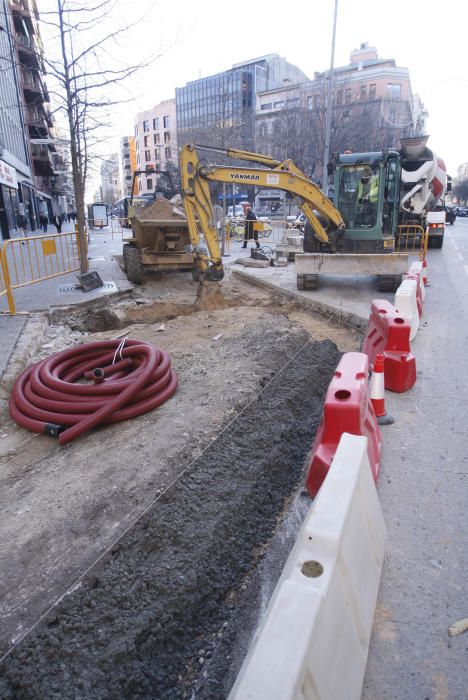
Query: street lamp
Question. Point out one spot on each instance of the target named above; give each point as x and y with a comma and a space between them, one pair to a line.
326, 153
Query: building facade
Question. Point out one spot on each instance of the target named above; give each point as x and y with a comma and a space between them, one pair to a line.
34, 177
373, 107
155, 143
111, 189
16, 177
219, 110
128, 164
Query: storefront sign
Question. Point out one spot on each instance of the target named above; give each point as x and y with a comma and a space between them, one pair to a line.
8, 175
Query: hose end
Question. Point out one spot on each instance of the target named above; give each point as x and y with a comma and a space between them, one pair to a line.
98, 375
53, 430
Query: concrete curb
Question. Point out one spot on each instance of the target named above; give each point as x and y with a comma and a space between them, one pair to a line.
342, 318
27, 344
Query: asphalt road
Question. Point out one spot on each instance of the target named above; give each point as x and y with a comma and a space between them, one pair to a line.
423, 489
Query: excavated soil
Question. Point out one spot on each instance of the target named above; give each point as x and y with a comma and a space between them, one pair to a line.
131, 557
162, 209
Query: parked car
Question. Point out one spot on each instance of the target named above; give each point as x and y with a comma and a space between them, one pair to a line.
461, 211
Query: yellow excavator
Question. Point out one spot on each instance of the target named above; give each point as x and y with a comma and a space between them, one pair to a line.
196, 176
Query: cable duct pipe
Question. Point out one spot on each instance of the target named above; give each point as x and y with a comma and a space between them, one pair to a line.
125, 379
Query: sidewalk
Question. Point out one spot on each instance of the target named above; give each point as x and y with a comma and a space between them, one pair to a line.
62, 291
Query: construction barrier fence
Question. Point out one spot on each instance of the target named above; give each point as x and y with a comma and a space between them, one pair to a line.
27, 260
412, 238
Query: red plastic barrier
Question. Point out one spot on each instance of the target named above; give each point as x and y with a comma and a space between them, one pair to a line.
389, 333
419, 298
347, 409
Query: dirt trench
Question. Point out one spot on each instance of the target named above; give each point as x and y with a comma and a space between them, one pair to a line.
159, 615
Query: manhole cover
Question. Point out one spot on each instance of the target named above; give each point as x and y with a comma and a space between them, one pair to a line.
107, 288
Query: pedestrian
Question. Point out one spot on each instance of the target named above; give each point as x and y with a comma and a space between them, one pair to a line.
250, 232
43, 221
68, 217
58, 223
22, 223
73, 215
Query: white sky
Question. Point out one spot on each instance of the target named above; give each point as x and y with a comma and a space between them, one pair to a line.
203, 37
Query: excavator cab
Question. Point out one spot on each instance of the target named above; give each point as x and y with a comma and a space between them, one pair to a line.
366, 194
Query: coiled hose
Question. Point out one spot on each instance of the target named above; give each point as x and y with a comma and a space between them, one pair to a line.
129, 378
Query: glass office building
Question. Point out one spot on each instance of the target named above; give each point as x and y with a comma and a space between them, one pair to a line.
219, 110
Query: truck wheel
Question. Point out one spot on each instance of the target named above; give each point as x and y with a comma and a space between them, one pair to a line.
134, 268
125, 249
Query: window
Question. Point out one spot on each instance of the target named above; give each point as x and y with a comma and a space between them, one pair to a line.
339, 97
348, 96
393, 91
166, 122
267, 105
167, 137
149, 184
156, 123
147, 141
372, 91
294, 102
167, 152
279, 105
156, 154
310, 102
362, 95
156, 138
146, 125
147, 156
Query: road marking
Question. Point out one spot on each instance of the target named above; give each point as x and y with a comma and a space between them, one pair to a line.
460, 256
465, 267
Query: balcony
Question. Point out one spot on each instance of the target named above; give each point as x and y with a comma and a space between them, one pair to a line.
22, 10
42, 160
36, 122
28, 52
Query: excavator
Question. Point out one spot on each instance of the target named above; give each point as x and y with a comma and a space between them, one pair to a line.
196, 175
362, 221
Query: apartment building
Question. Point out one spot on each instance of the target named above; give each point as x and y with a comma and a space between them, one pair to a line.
16, 176
128, 164
373, 107
111, 188
34, 175
155, 143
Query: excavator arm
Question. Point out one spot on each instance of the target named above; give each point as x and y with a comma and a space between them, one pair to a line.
276, 175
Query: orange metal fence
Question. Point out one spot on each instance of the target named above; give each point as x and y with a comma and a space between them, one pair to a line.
411, 238
31, 259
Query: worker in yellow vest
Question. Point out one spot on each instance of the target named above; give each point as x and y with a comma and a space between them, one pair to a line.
368, 188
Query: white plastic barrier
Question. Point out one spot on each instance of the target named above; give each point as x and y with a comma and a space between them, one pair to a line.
416, 268
314, 639
406, 303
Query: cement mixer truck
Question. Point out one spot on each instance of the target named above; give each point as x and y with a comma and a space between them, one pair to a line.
423, 184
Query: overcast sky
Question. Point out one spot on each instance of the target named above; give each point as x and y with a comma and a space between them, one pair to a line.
203, 37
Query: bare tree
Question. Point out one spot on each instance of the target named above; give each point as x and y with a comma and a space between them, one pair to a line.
85, 76
460, 184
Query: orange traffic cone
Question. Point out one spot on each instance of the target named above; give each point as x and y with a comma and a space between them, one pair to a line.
377, 392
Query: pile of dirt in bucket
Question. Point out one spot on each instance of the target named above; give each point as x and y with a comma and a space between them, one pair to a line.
162, 210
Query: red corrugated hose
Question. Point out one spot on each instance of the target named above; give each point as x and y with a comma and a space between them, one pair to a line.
129, 377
